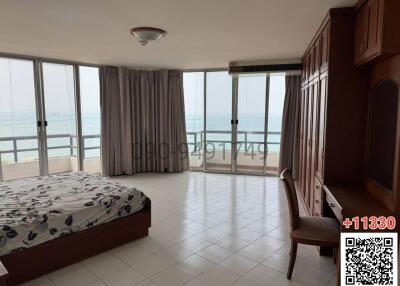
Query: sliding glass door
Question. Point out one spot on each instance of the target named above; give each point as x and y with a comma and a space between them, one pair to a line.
19, 144
243, 118
276, 98
59, 103
218, 138
91, 124
193, 84
250, 154
49, 118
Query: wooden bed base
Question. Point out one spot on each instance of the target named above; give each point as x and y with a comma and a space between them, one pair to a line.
44, 258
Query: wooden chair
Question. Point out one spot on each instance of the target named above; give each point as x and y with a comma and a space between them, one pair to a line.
319, 231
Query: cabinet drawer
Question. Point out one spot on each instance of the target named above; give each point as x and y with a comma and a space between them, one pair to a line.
334, 206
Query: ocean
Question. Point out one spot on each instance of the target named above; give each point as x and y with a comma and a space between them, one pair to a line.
24, 124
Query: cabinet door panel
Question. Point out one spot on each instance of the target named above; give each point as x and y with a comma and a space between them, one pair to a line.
325, 47
321, 128
373, 32
309, 166
309, 60
317, 56
359, 35
304, 72
302, 133
305, 144
314, 136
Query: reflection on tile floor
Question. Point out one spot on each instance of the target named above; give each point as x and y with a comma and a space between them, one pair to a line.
207, 229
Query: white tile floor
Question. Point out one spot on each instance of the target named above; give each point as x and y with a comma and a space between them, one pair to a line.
207, 229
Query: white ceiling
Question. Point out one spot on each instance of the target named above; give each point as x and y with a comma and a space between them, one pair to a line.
201, 33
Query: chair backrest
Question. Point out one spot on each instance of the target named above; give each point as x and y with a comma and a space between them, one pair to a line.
290, 189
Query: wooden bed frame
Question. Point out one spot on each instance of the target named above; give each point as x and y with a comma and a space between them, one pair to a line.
41, 259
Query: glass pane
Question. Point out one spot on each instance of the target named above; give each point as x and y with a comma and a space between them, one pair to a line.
251, 116
18, 128
59, 99
193, 86
276, 100
219, 115
90, 111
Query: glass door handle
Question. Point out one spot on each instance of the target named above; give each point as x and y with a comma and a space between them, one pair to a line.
42, 123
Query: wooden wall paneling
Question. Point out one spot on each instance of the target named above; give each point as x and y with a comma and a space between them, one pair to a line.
388, 70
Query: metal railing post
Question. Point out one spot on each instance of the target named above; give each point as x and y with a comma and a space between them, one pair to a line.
15, 150
71, 144
245, 141
83, 148
195, 142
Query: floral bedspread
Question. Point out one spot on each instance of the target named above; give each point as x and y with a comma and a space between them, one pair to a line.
36, 210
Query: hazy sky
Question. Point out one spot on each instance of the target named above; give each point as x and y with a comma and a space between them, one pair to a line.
251, 94
17, 91
18, 104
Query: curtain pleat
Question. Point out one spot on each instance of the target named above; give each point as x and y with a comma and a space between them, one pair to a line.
110, 121
149, 107
290, 135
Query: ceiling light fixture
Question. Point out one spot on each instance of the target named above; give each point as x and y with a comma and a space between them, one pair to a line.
147, 34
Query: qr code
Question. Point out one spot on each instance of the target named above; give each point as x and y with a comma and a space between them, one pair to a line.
369, 259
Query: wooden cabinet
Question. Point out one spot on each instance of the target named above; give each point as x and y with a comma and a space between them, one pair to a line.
376, 30
333, 106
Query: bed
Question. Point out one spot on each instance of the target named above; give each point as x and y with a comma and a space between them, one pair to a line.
73, 215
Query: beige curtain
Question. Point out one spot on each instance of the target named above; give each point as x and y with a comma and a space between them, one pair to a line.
110, 122
290, 135
151, 118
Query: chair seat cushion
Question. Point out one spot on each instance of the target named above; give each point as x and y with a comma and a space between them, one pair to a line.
321, 231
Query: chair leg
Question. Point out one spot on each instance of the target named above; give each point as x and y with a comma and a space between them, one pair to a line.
293, 253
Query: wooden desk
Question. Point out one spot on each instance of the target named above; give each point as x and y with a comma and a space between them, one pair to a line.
347, 202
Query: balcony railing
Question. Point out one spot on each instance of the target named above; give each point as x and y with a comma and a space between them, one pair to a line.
198, 139
197, 142
71, 146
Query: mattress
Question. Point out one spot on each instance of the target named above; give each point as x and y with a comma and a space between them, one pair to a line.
36, 210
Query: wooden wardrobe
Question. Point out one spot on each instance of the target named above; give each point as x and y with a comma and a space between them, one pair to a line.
333, 111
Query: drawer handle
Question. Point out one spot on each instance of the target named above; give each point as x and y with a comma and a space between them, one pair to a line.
317, 201
316, 214
317, 187
332, 205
